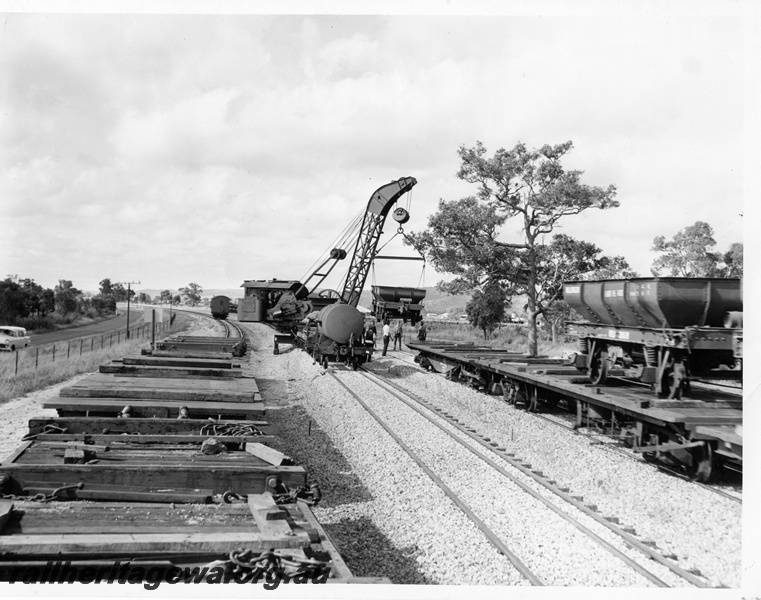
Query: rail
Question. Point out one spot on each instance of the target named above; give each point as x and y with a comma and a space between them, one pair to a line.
437, 418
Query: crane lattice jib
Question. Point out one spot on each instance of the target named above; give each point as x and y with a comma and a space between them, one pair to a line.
372, 226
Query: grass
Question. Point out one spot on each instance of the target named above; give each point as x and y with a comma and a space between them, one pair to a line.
507, 337
48, 372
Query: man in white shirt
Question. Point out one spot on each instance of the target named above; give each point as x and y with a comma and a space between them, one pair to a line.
386, 336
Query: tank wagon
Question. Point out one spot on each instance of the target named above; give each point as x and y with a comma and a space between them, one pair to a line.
398, 303
220, 307
660, 331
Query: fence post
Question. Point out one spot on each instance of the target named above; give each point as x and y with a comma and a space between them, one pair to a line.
37, 358
53, 352
92, 343
68, 350
17, 353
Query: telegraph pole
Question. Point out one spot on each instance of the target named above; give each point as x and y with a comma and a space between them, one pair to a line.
129, 293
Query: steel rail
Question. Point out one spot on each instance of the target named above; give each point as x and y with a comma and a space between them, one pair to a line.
628, 538
490, 535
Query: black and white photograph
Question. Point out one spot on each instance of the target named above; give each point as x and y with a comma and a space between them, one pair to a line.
433, 299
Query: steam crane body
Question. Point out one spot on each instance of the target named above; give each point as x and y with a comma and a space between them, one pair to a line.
338, 330
334, 324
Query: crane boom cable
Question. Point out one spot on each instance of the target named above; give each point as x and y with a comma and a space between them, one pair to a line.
342, 240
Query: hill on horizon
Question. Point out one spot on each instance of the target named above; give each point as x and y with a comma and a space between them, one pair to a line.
436, 301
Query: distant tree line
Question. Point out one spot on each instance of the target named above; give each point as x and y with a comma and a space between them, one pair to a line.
25, 303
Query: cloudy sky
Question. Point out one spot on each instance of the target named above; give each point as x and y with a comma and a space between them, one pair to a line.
214, 148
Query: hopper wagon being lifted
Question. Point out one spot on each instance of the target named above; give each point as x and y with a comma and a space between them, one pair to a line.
661, 331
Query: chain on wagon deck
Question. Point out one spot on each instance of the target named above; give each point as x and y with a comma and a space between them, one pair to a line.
99, 484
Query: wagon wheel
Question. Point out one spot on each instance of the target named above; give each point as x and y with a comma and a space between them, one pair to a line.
673, 380
598, 367
329, 294
702, 463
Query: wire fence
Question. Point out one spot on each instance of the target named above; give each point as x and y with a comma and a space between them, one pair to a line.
30, 359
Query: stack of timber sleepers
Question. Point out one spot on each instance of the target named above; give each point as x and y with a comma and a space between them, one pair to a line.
117, 538
159, 469
190, 346
164, 391
93, 489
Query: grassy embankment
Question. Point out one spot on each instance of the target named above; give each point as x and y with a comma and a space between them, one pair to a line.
507, 337
49, 373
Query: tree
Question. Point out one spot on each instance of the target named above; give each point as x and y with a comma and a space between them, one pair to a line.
106, 288
33, 296
733, 261
66, 297
486, 309
688, 254
192, 293
11, 300
530, 186
176, 299
119, 292
166, 297
47, 301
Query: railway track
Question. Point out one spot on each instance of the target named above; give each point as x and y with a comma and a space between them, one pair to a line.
512, 482
611, 444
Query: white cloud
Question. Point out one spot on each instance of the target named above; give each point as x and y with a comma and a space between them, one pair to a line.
217, 148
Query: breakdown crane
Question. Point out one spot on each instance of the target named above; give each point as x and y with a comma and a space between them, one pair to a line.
338, 324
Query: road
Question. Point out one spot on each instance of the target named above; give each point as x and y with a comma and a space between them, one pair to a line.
101, 327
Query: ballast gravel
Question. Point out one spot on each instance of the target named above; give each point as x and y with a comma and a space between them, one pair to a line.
389, 519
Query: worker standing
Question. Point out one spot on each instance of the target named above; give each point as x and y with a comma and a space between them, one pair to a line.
370, 335
398, 332
386, 336
421, 334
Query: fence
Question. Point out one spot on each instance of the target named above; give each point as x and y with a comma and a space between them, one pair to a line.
32, 358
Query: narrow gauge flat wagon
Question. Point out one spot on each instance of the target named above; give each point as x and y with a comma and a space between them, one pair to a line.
697, 433
660, 331
162, 466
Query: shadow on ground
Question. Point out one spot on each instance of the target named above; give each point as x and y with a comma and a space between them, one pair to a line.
390, 368
368, 552
308, 445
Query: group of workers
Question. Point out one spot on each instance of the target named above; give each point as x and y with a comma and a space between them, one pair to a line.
371, 332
